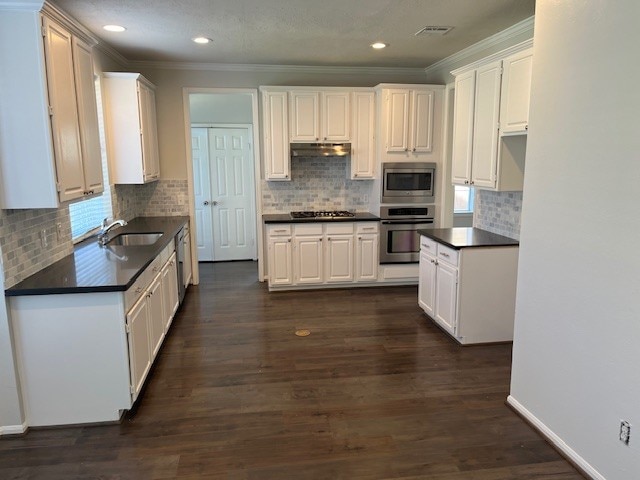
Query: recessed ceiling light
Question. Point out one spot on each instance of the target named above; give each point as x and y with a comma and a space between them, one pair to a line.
114, 28
378, 45
201, 40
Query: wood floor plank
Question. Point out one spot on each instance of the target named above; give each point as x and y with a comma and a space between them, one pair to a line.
375, 392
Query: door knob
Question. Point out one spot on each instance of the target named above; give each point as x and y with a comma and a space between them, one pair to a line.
214, 203
205, 203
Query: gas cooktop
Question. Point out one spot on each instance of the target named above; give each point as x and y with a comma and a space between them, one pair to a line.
322, 214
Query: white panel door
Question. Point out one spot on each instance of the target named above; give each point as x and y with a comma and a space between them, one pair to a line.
422, 121
64, 111
156, 314
446, 297
485, 131
362, 141
339, 258
202, 193
465, 88
398, 120
427, 283
367, 258
276, 136
308, 259
280, 265
336, 116
139, 344
232, 190
516, 91
305, 115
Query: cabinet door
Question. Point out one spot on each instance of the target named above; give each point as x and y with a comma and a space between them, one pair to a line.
139, 345
305, 115
280, 261
422, 121
150, 159
65, 126
427, 284
362, 141
335, 117
339, 258
276, 136
307, 254
485, 126
464, 102
156, 314
397, 120
446, 297
169, 292
516, 91
88, 116
367, 258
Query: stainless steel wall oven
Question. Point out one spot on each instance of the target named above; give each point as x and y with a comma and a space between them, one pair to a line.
399, 239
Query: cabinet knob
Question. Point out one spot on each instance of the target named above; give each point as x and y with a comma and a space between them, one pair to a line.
289, 240
138, 290
414, 149
359, 238
406, 149
355, 174
526, 127
472, 183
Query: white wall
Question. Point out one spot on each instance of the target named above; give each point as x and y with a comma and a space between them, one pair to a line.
577, 334
220, 108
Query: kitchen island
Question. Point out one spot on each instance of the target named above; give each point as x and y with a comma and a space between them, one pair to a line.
467, 283
88, 328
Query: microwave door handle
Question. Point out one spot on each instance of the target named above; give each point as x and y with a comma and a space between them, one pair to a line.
406, 222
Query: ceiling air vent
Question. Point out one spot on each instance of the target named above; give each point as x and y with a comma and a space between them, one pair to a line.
433, 30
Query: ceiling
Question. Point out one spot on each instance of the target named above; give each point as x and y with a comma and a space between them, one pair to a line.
295, 32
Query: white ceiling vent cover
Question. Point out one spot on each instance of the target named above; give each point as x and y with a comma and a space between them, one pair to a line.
433, 30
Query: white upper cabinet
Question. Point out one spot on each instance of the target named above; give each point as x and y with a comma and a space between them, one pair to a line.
409, 118
275, 127
130, 118
319, 116
491, 110
516, 93
363, 138
49, 148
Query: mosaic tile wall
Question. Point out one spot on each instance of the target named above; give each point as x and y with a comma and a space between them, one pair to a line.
23, 252
498, 212
164, 197
317, 183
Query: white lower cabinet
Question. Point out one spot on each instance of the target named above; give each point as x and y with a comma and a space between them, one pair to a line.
104, 346
469, 293
317, 254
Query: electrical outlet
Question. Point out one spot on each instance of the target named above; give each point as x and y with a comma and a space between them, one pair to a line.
43, 238
365, 198
625, 432
59, 231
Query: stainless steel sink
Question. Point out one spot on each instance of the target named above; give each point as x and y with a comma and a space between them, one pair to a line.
134, 239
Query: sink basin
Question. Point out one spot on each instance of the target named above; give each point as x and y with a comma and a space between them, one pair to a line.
134, 239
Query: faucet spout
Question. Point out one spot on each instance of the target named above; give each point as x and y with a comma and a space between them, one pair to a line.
104, 230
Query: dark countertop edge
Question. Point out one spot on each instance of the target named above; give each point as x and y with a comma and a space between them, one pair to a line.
182, 220
286, 218
501, 240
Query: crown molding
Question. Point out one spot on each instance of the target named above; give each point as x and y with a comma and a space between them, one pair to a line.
24, 5
520, 28
59, 15
238, 67
113, 54
494, 57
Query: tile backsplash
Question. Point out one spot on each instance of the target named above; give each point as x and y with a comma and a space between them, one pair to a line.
164, 197
23, 251
317, 183
498, 212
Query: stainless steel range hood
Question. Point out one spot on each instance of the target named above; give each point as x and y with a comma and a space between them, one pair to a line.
320, 149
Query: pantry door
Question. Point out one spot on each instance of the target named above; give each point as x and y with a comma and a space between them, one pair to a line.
202, 193
231, 203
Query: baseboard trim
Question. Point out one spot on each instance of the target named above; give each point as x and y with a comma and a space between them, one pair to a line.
567, 452
13, 429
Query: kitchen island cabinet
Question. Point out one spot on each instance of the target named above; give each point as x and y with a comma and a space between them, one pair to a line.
88, 328
467, 283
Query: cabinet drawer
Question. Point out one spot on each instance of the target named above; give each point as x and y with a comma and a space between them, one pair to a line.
136, 290
166, 253
369, 227
448, 255
428, 245
342, 228
311, 229
279, 230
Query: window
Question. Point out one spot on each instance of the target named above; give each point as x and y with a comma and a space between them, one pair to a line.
463, 200
87, 215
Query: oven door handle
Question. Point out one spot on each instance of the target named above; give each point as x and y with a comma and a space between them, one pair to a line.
406, 222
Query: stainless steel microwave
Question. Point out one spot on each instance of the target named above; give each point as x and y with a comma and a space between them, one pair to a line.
408, 182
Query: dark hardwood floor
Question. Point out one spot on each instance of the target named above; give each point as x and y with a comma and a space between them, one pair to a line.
375, 392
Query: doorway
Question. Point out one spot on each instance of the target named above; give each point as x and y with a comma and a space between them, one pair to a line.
224, 193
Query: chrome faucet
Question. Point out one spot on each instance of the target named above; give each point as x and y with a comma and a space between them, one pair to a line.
104, 230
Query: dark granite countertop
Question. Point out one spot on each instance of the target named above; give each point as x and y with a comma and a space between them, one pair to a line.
463, 237
91, 268
286, 218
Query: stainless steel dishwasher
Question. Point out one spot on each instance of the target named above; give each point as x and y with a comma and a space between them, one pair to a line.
180, 256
